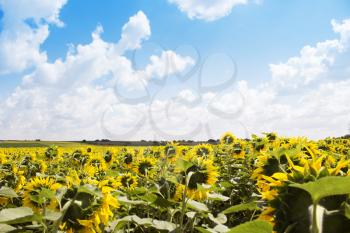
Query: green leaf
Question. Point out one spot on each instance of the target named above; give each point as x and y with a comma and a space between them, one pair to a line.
138, 190
241, 207
125, 200
90, 189
221, 228
203, 230
163, 225
161, 202
217, 197
60, 193
200, 207
219, 219
346, 210
226, 184
8, 192
46, 193
256, 226
6, 228
7, 215
52, 215
326, 186
149, 197
183, 165
147, 222
121, 223
191, 214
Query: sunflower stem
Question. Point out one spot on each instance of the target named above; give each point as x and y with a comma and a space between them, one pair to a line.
183, 206
314, 218
43, 221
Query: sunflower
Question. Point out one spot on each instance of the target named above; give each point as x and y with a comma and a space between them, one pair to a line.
271, 136
287, 207
97, 161
259, 144
127, 181
170, 149
12, 177
127, 158
202, 174
40, 192
94, 173
51, 152
228, 138
72, 178
108, 157
3, 159
168, 189
79, 157
238, 150
202, 150
90, 212
145, 166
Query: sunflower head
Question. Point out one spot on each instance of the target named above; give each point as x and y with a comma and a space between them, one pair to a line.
167, 188
202, 151
202, 173
34, 167
127, 181
51, 152
40, 192
97, 162
90, 212
94, 173
145, 166
108, 157
271, 136
227, 139
238, 149
170, 149
79, 157
127, 157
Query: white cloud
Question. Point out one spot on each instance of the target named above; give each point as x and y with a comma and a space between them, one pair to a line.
208, 10
74, 97
134, 32
16, 11
19, 41
166, 64
187, 95
68, 98
312, 61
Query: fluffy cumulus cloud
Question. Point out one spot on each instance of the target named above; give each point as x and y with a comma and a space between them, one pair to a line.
68, 97
313, 61
19, 41
134, 32
95, 91
208, 10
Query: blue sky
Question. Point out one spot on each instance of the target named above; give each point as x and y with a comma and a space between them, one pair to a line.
255, 34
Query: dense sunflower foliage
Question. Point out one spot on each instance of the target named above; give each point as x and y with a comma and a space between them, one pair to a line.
265, 184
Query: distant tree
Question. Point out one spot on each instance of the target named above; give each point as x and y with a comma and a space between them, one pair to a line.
212, 141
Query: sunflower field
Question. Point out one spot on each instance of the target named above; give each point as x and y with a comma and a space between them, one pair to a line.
262, 185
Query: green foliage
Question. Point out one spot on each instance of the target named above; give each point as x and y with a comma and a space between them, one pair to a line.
256, 226
241, 207
327, 186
